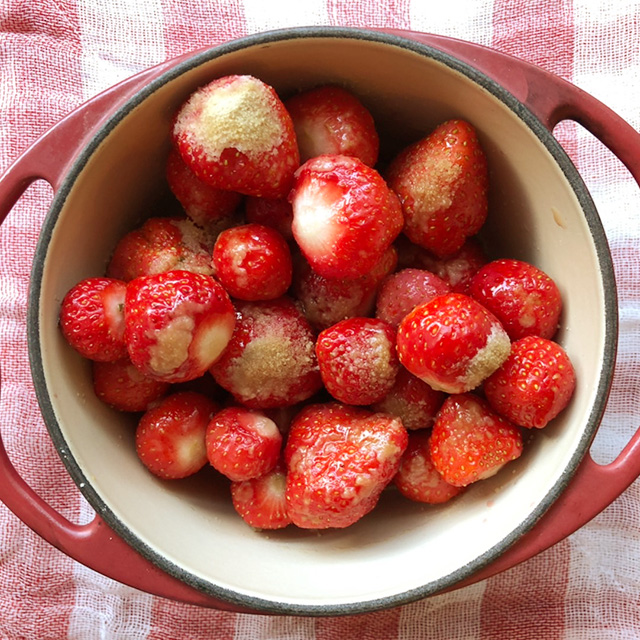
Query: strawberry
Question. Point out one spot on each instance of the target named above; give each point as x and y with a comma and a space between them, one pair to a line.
524, 298
470, 442
159, 245
326, 301
234, 133
452, 342
412, 400
177, 324
124, 387
442, 183
344, 216
402, 291
339, 459
330, 120
207, 206
271, 212
170, 438
242, 443
270, 361
92, 318
534, 384
358, 360
253, 262
417, 478
261, 501
458, 269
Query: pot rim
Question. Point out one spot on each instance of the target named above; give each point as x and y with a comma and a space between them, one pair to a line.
570, 173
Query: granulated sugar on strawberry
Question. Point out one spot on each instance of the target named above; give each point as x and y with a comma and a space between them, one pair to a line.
452, 342
170, 438
470, 442
209, 207
534, 384
344, 216
339, 460
412, 400
326, 301
234, 133
442, 182
404, 290
253, 262
242, 443
358, 360
124, 387
524, 298
92, 318
159, 245
417, 478
330, 120
270, 361
177, 324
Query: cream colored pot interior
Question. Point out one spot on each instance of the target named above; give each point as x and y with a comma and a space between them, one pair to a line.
402, 550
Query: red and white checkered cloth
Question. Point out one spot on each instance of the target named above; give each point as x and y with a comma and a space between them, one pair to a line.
55, 54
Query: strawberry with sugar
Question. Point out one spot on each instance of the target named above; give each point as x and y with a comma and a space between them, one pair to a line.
170, 438
339, 460
452, 343
442, 183
234, 133
470, 442
344, 216
177, 324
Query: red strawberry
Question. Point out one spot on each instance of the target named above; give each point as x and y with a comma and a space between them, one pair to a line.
236, 134
207, 206
411, 400
524, 298
442, 183
261, 501
358, 360
404, 290
253, 262
270, 361
159, 245
271, 212
470, 442
452, 342
459, 268
326, 301
534, 384
417, 478
170, 438
344, 216
242, 443
339, 459
330, 120
92, 318
124, 387
177, 324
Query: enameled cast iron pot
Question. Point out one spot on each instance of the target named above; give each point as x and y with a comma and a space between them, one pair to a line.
182, 540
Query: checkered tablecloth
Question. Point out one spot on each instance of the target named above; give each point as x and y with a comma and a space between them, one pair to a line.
54, 55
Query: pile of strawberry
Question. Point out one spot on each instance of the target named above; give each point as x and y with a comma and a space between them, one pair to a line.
313, 325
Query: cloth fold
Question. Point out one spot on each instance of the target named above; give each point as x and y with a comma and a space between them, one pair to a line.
56, 55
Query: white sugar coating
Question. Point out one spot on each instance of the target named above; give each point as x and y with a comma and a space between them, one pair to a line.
487, 359
271, 362
435, 192
238, 115
171, 347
